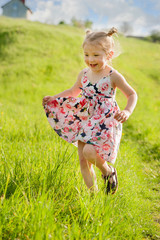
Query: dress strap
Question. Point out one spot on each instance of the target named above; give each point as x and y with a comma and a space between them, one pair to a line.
85, 71
110, 72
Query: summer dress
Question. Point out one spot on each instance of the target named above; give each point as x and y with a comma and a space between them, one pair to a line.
89, 118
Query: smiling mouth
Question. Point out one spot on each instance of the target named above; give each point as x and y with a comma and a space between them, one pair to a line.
93, 65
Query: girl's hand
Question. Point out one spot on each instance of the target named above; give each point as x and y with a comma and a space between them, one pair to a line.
46, 100
122, 116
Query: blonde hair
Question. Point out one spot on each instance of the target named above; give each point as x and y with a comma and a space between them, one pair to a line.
104, 39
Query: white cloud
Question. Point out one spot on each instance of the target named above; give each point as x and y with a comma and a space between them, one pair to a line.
119, 11
116, 12
107, 13
49, 12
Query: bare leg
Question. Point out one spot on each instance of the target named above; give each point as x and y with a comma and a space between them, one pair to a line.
91, 156
87, 170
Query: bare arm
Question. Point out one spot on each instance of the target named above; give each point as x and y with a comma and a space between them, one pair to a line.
71, 92
120, 82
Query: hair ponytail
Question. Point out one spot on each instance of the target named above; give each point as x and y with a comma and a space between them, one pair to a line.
88, 31
112, 31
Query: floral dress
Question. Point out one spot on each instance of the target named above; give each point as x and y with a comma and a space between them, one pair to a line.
89, 118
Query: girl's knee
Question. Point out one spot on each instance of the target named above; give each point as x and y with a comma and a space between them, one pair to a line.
89, 152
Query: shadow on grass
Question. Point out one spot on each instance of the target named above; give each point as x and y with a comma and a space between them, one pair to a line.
149, 152
155, 77
7, 37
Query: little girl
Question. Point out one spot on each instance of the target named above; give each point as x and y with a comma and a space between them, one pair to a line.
93, 122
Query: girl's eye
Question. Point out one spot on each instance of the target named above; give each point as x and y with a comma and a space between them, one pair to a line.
96, 55
86, 55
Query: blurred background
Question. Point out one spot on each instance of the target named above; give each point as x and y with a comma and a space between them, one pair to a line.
131, 17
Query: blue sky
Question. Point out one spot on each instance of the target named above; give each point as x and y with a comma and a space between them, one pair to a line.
142, 15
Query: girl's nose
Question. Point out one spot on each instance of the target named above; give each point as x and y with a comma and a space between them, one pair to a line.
91, 59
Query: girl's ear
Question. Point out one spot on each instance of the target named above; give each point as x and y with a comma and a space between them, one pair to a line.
110, 55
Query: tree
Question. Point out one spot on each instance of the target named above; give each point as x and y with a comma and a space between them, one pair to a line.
82, 24
76, 23
155, 36
88, 24
126, 28
62, 22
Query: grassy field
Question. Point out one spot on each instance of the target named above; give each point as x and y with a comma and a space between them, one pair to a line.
42, 192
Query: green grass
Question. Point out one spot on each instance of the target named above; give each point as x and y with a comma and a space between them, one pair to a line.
43, 195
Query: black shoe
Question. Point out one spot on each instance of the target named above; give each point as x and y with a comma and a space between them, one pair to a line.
111, 181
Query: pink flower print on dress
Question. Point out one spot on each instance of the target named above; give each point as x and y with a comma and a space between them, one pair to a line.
62, 111
84, 118
90, 124
100, 111
97, 128
73, 100
94, 138
68, 106
69, 119
83, 102
108, 104
106, 147
66, 129
101, 122
90, 90
109, 135
103, 134
97, 117
74, 128
85, 79
53, 104
110, 124
56, 127
103, 85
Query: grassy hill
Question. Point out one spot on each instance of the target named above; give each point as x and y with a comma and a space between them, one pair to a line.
42, 192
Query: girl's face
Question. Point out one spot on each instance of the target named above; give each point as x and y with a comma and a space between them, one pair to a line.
95, 57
